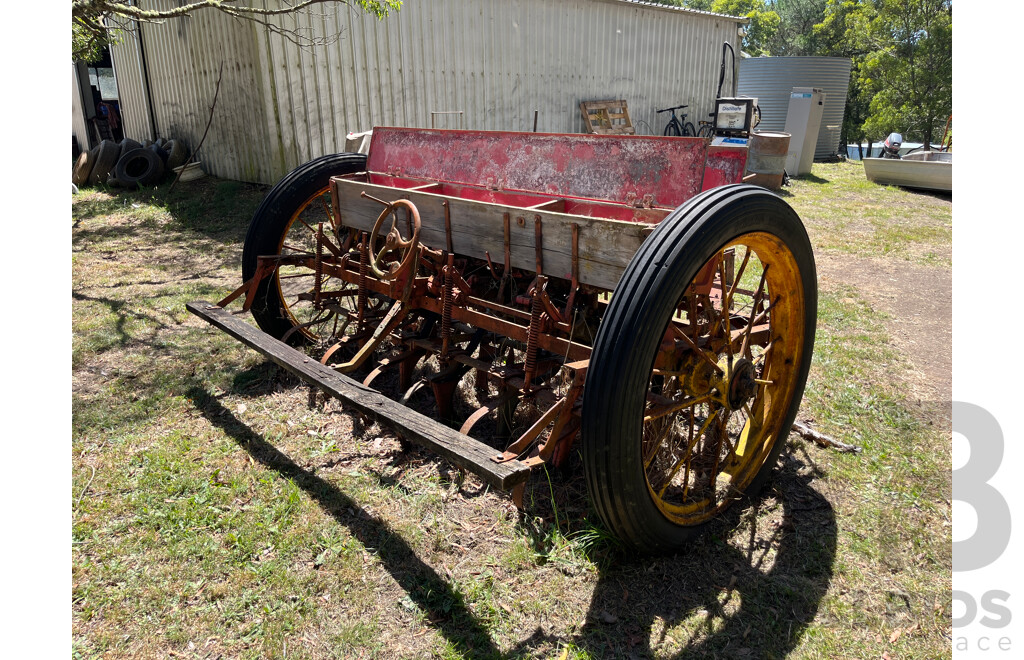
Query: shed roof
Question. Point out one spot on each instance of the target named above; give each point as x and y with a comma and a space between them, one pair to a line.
686, 10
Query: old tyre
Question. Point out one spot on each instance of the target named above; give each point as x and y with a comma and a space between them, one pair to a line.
83, 167
286, 223
128, 145
687, 406
139, 167
106, 158
177, 154
159, 151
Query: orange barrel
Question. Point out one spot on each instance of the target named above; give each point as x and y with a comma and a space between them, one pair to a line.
766, 159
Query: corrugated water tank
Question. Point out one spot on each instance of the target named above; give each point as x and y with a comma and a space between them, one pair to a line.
772, 79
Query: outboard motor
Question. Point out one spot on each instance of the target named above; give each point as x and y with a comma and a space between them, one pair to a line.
891, 146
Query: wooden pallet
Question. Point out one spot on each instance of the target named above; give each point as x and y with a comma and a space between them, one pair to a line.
607, 117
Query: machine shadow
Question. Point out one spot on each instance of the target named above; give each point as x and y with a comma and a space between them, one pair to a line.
758, 593
442, 604
754, 582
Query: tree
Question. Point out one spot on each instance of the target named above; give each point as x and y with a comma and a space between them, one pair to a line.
903, 63
94, 22
909, 66
763, 21
797, 18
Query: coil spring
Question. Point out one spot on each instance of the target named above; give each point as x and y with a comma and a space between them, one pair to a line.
446, 308
363, 267
532, 338
318, 265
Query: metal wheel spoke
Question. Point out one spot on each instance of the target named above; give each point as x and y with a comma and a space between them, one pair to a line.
686, 455
657, 412
753, 311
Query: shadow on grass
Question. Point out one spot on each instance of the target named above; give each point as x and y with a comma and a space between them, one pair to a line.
751, 601
215, 208
811, 178
761, 596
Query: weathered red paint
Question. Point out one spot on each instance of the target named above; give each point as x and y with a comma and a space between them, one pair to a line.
614, 168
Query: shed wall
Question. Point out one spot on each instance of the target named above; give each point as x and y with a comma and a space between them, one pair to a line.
282, 104
78, 126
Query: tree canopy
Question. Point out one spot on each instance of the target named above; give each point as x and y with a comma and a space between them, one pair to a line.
95, 22
902, 52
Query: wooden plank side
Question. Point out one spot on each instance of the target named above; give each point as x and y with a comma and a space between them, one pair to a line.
605, 246
460, 449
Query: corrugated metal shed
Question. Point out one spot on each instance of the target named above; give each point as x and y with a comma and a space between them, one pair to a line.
78, 126
772, 79
282, 104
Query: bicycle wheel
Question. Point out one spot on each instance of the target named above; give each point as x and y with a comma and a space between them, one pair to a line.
672, 128
705, 131
688, 130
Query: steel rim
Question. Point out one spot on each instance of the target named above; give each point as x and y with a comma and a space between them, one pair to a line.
295, 283
713, 414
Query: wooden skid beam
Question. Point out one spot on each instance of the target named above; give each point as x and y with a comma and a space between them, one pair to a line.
456, 447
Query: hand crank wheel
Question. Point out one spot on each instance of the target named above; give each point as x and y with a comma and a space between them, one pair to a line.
393, 240
286, 223
699, 366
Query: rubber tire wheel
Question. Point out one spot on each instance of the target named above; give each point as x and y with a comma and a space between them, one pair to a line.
159, 151
672, 129
128, 170
689, 130
106, 159
177, 154
271, 222
705, 131
631, 332
83, 167
128, 145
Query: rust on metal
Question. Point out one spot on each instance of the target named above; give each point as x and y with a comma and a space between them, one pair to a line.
411, 277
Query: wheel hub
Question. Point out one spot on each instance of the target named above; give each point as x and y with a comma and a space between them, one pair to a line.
734, 388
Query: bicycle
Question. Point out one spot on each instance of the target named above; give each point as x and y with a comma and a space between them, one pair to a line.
676, 126
707, 128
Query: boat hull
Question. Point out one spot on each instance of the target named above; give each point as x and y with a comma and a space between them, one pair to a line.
926, 170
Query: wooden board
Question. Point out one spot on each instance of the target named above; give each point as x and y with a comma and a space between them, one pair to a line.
458, 448
605, 246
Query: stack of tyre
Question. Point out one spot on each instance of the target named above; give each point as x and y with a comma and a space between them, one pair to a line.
129, 164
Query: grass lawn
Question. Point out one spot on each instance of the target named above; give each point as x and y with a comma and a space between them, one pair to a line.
215, 514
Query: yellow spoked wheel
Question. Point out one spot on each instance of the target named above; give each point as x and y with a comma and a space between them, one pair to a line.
718, 398
699, 366
287, 223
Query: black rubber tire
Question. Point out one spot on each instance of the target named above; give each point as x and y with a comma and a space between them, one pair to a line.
177, 153
271, 222
689, 130
672, 129
139, 167
631, 332
127, 145
106, 159
705, 131
161, 152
